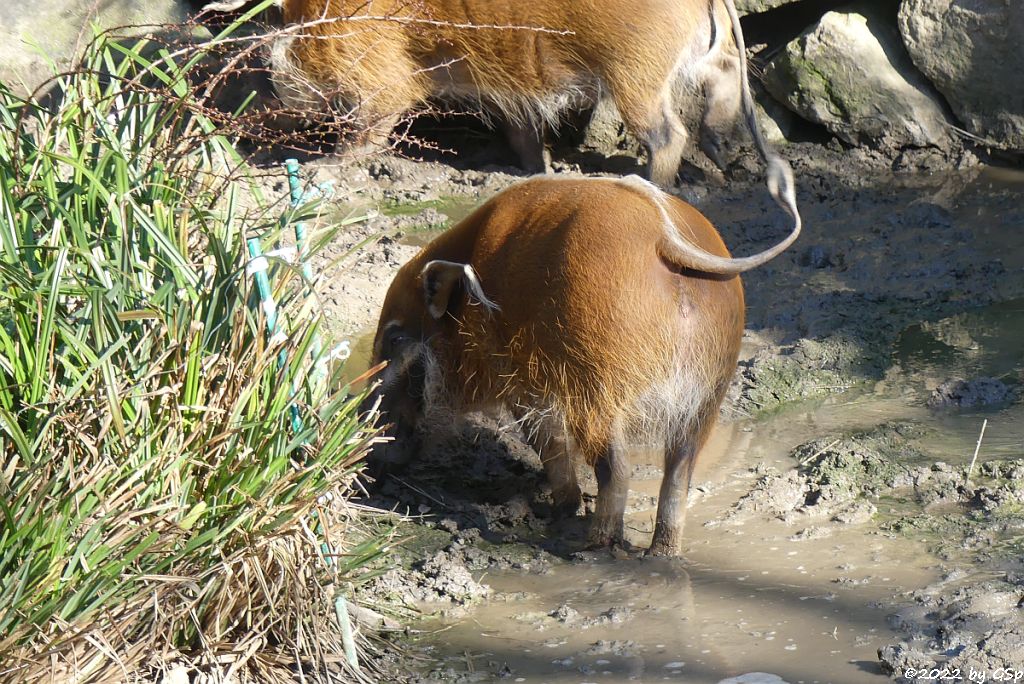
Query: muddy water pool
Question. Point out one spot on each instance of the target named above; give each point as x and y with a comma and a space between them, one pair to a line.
747, 597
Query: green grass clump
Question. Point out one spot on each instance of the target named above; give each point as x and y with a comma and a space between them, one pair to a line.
157, 508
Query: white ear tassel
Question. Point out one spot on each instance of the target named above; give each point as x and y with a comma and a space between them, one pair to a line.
477, 290
230, 5
474, 289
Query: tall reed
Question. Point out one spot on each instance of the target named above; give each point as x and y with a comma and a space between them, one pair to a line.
156, 506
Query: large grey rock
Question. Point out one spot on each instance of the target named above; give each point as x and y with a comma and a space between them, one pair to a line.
34, 34
755, 6
972, 51
851, 73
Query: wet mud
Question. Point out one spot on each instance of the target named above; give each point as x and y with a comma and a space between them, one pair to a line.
837, 529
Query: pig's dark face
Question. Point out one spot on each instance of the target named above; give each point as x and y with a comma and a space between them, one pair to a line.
419, 311
399, 396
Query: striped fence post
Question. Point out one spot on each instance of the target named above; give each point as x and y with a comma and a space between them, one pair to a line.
258, 267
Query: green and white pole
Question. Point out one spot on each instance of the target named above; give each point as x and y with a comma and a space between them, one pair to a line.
348, 641
302, 248
258, 266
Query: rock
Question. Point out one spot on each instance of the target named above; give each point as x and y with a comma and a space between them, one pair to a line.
970, 50
851, 73
755, 6
59, 27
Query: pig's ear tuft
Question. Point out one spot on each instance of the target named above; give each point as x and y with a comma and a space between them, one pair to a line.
444, 280
228, 6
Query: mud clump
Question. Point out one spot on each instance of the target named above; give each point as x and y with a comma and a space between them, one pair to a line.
960, 393
774, 495
567, 615
868, 463
833, 479
442, 576
978, 626
808, 368
444, 579
899, 660
1003, 496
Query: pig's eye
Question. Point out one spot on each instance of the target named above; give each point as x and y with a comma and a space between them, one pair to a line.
394, 340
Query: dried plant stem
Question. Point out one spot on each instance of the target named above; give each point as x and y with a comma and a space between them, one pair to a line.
977, 448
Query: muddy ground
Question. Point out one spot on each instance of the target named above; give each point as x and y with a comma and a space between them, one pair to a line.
839, 490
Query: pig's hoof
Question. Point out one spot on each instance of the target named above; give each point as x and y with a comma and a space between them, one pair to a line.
663, 549
597, 540
618, 549
566, 510
620, 552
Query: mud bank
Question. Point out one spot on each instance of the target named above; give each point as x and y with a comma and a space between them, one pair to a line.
833, 534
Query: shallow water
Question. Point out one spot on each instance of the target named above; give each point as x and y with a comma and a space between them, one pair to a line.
746, 598
454, 208
982, 343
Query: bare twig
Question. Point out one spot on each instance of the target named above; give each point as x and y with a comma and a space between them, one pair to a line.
977, 448
819, 452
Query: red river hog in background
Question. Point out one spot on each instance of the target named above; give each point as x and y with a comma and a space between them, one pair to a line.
522, 63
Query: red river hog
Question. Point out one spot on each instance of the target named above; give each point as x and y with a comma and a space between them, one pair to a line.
602, 312
521, 63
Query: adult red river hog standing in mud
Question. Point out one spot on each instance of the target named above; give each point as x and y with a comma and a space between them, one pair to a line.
521, 62
602, 312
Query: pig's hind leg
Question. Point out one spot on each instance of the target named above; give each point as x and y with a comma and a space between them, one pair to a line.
612, 469
553, 446
680, 458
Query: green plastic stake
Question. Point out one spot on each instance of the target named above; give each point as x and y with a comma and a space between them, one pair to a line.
258, 267
297, 197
